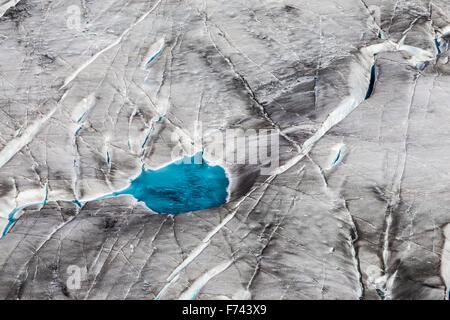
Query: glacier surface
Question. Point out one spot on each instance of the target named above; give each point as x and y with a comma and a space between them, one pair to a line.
351, 203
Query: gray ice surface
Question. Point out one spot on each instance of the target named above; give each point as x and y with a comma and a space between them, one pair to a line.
358, 207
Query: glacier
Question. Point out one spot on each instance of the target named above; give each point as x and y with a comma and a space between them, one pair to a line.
97, 97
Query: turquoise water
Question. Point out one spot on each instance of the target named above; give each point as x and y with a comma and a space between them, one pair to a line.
186, 185
154, 57
337, 158
11, 220
11, 216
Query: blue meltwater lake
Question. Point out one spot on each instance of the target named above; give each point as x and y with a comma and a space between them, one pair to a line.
186, 185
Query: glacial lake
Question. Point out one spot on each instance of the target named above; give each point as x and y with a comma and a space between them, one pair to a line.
189, 184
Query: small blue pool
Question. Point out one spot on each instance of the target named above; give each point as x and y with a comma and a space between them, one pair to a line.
186, 185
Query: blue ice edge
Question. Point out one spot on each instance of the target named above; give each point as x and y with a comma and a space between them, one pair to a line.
186, 185
154, 57
12, 219
338, 156
373, 78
